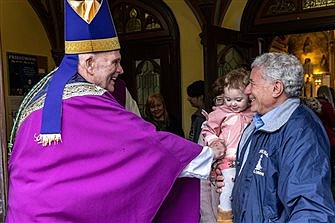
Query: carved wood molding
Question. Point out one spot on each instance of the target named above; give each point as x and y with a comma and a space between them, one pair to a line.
287, 16
142, 20
209, 12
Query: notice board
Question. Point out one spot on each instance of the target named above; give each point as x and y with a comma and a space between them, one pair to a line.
24, 72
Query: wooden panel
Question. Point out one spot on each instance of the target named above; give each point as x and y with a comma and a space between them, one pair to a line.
276, 17
3, 146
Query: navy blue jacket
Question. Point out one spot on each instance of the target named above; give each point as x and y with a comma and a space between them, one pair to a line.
286, 177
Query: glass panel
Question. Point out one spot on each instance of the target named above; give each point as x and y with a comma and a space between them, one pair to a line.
118, 19
147, 80
134, 23
130, 18
151, 22
281, 7
312, 4
229, 59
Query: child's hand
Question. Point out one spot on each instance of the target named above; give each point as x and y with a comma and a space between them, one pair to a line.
219, 148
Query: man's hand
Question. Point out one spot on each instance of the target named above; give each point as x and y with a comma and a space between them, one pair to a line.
219, 148
217, 178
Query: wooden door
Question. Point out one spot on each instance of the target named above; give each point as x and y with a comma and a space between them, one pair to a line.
3, 146
149, 37
148, 70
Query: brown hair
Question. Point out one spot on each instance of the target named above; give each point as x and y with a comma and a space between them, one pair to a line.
237, 79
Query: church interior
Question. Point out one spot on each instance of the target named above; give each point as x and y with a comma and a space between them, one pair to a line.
166, 44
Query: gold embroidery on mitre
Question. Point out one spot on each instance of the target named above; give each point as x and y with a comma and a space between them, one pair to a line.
86, 9
95, 45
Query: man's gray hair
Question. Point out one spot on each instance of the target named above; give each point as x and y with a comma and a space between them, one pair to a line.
283, 67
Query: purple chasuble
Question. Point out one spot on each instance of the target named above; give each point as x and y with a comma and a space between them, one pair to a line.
111, 166
119, 92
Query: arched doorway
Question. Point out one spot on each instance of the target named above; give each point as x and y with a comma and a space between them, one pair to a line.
149, 37
307, 24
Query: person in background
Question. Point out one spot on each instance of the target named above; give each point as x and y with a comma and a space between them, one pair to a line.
195, 92
332, 91
77, 155
321, 105
122, 95
283, 167
155, 112
324, 94
224, 126
326, 113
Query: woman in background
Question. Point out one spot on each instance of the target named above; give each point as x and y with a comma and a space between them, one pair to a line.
325, 94
155, 112
322, 106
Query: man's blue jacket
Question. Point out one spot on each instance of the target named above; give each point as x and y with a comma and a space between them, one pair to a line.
286, 177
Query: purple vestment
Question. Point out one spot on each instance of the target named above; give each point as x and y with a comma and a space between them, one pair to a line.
119, 92
110, 167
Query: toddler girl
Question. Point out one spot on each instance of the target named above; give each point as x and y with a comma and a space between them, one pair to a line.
224, 126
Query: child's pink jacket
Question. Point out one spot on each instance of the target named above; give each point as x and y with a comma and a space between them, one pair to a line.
223, 123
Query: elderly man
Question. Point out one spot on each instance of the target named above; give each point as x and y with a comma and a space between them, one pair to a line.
283, 169
79, 156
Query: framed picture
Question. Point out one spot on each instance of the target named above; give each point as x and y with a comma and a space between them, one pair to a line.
24, 72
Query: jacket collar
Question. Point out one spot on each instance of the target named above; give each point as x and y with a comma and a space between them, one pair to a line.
276, 118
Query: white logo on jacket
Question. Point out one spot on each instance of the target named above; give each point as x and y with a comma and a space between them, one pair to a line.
259, 169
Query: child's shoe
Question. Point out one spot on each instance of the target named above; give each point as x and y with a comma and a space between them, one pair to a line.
225, 216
